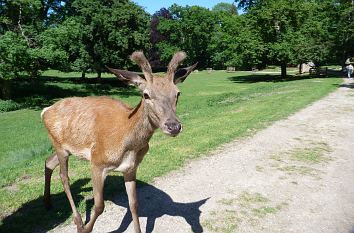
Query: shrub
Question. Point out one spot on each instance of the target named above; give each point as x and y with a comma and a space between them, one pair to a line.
9, 105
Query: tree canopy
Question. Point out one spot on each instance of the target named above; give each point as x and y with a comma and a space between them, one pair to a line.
77, 35
86, 35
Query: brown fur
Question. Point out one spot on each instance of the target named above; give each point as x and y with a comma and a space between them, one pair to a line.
108, 117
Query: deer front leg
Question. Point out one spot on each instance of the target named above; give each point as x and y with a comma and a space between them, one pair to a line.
98, 177
130, 186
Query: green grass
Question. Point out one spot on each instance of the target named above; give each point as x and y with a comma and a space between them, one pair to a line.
214, 108
299, 170
316, 154
225, 221
299, 161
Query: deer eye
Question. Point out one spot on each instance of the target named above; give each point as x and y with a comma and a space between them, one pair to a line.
146, 96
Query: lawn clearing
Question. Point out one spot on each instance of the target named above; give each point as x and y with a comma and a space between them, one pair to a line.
214, 108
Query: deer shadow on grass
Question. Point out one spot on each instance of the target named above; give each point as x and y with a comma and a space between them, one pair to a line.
153, 203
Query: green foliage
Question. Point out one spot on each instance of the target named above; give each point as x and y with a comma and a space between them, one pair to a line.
189, 30
339, 15
270, 32
224, 7
66, 42
235, 43
13, 55
21, 46
246, 4
108, 32
8, 105
69, 35
292, 31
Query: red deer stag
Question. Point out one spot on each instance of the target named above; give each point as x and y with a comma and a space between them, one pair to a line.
112, 135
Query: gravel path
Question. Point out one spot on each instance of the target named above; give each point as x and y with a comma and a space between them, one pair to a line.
294, 176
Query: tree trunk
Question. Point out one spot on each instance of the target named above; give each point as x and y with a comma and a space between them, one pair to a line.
5, 89
283, 70
83, 74
99, 76
300, 68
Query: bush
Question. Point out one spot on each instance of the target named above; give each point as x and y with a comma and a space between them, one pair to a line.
9, 105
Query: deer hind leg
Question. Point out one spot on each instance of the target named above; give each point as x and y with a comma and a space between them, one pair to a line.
98, 177
63, 157
50, 164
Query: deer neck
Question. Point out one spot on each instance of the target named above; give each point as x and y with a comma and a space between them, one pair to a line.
143, 128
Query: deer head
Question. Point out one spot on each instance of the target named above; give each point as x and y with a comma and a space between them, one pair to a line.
159, 94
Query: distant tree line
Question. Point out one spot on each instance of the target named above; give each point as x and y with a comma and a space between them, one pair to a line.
279, 32
86, 35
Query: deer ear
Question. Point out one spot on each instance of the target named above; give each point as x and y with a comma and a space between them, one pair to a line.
129, 77
182, 73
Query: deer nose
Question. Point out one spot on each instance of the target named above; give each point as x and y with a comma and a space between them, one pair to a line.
173, 127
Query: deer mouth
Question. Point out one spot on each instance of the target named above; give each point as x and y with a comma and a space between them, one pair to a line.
171, 134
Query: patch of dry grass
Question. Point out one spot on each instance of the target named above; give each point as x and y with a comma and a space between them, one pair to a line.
245, 208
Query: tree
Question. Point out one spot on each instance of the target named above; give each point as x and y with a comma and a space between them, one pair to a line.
67, 39
156, 37
107, 31
246, 4
341, 15
235, 43
22, 23
226, 8
190, 29
13, 56
293, 31
74, 34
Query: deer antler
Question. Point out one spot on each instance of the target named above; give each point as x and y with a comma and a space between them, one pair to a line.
139, 58
174, 63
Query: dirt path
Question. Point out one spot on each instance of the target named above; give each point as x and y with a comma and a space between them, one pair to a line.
295, 176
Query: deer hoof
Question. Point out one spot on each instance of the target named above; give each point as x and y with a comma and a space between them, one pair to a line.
79, 224
83, 229
80, 229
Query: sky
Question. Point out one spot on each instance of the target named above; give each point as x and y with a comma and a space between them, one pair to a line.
152, 6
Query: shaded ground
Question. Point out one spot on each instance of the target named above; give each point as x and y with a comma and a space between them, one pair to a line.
44, 91
295, 176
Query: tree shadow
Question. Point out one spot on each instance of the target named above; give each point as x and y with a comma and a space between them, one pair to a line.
44, 91
153, 203
255, 78
347, 85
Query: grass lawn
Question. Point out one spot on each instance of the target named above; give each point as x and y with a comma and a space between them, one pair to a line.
214, 108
